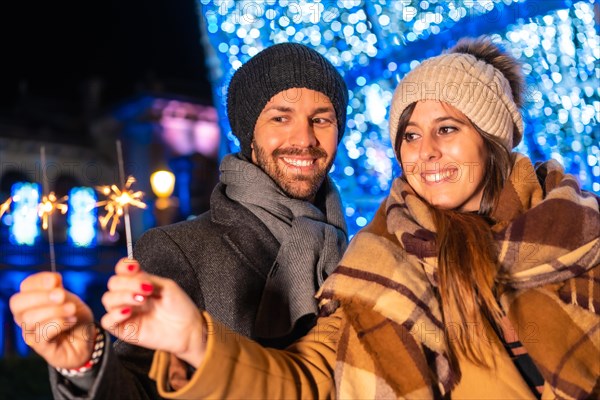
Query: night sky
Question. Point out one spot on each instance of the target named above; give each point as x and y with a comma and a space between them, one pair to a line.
67, 62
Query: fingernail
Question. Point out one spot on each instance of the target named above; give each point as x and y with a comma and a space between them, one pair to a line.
48, 281
139, 298
71, 320
131, 267
55, 296
126, 311
69, 308
147, 287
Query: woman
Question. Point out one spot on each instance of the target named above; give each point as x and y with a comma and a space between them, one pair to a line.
477, 278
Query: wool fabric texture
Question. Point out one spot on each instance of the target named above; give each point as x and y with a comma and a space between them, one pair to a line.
547, 233
277, 68
312, 243
474, 87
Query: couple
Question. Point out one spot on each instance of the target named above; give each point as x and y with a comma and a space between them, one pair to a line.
477, 278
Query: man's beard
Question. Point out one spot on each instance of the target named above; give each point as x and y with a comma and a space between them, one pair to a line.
295, 185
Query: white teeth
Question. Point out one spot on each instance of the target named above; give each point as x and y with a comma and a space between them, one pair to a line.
437, 177
299, 163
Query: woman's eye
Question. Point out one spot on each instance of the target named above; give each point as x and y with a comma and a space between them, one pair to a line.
409, 136
447, 129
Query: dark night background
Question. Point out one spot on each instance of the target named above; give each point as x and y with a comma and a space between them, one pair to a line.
66, 62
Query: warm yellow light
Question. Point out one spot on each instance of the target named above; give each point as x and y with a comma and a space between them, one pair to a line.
163, 183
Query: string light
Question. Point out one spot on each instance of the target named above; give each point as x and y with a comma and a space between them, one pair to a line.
375, 43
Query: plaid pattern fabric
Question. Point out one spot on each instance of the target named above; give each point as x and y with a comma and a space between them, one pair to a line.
521, 359
548, 237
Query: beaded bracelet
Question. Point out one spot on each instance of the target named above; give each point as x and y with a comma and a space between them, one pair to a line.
95, 358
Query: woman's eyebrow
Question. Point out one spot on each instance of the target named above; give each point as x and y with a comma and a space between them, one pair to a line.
460, 121
440, 119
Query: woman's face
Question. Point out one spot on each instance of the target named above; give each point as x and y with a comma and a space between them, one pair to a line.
444, 157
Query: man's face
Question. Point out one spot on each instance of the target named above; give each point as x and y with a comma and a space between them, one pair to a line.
295, 141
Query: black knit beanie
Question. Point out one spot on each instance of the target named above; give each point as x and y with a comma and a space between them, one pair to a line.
277, 68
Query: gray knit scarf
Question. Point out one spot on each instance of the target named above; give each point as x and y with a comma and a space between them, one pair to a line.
312, 243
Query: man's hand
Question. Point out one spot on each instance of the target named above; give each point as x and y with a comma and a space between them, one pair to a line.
56, 324
153, 312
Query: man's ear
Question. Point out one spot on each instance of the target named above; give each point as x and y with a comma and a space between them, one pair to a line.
252, 152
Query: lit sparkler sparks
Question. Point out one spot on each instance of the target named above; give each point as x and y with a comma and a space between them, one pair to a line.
48, 205
5, 206
116, 202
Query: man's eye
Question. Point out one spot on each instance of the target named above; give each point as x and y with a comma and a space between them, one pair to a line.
321, 121
279, 119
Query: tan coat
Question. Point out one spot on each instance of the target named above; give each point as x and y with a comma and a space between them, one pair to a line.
363, 347
238, 368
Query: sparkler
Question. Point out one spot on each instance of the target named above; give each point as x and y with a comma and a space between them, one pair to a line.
118, 202
5, 206
47, 207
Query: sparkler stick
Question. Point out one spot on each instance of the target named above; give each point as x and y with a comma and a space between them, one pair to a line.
118, 202
126, 205
45, 208
49, 212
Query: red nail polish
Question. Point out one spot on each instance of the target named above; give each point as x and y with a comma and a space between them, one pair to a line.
131, 267
126, 311
147, 287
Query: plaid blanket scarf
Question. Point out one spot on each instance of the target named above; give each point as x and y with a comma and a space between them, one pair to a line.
547, 232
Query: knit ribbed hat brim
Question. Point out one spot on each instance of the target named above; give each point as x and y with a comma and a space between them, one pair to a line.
472, 86
275, 69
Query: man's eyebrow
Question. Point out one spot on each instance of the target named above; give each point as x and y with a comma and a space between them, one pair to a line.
324, 110
289, 109
278, 108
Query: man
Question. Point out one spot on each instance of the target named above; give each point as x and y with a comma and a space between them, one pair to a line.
274, 231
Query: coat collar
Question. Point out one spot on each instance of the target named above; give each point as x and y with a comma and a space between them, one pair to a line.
255, 242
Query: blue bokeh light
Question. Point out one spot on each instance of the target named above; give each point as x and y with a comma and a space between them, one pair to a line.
25, 229
375, 43
82, 217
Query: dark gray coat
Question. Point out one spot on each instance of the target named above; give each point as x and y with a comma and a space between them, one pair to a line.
221, 259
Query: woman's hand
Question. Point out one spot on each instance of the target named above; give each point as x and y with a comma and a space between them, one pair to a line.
55, 323
153, 312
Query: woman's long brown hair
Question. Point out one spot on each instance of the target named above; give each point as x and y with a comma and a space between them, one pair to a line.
467, 256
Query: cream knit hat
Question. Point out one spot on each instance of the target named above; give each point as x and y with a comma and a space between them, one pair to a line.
472, 86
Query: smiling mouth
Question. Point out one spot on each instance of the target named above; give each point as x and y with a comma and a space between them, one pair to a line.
438, 176
301, 163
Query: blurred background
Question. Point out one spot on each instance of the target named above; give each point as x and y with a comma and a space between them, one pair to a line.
78, 76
